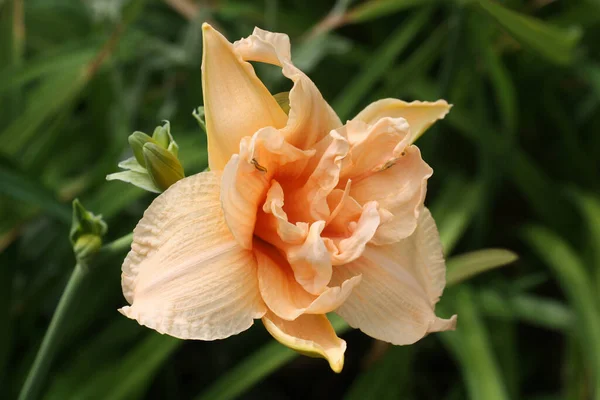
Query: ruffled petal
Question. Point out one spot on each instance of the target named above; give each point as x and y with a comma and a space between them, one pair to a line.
394, 175
311, 335
399, 189
273, 225
286, 297
401, 283
419, 114
247, 177
309, 203
236, 102
349, 248
310, 117
186, 275
374, 147
311, 261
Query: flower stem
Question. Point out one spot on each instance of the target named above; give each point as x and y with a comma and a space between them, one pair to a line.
40, 366
50, 343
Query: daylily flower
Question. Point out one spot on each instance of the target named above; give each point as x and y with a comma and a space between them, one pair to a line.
300, 215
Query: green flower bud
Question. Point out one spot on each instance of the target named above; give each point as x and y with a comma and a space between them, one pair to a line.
162, 135
173, 148
164, 168
283, 99
86, 246
86, 232
137, 140
162, 165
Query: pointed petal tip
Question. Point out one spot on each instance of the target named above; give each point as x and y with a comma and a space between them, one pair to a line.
311, 335
441, 325
336, 363
125, 311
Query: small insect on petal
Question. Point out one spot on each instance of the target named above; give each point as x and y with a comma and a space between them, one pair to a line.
258, 166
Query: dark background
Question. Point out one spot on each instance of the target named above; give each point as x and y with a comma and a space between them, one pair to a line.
516, 167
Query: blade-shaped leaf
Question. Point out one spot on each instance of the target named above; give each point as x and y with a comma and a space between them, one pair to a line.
554, 43
465, 266
471, 347
21, 187
571, 274
132, 374
374, 9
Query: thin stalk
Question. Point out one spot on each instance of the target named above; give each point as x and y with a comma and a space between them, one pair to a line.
38, 371
115, 247
50, 343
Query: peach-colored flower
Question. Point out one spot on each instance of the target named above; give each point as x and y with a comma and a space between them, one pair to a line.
299, 216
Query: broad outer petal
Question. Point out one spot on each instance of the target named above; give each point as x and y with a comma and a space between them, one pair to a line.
310, 117
236, 102
186, 275
419, 114
399, 288
286, 297
309, 334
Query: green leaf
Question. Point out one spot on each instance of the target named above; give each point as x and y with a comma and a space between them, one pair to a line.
419, 62
52, 96
465, 266
470, 345
7, 272
498, 74
374, 9
538, 311
589, 206
61, 60
102, 350
572, 276
454, 209
554, 43
387, 379
19, 186
376, 66
131, 375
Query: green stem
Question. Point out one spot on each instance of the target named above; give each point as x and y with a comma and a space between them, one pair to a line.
112, 248
51, 341
40, 367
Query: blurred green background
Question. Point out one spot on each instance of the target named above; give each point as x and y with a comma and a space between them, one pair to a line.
516, 167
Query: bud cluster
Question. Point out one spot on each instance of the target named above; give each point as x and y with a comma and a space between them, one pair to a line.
154, 165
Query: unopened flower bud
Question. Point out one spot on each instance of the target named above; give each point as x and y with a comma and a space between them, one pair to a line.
86, 232
137, 140
163, 166
86, 246
162, 136
153, 169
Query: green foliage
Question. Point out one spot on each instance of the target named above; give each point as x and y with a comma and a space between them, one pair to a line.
516, 167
